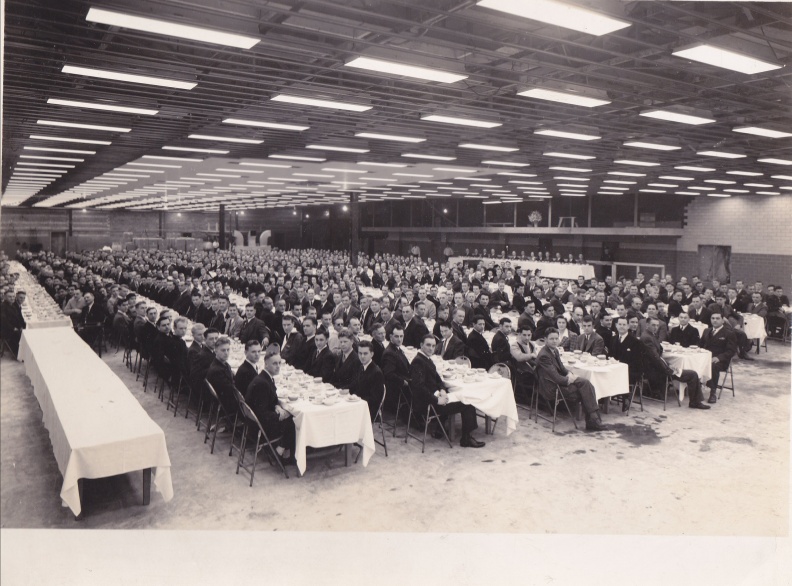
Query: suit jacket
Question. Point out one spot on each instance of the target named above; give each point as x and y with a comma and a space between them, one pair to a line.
550, 371
262, 398
233, 326
702, 315
93, 315
758, 309
484, 312
244, 376
346, 370
497, 298
459, 332
723, 345
291, 349
370, 385
12, 318
689, 337
628, 352
192, 312
501, 348
424, 381
321, 364
396, 369
349, 313
183, 302
253, 329
205, 315
379, 350
414, 331
527, 320
221, 378
479, 351
541, 327
594, 346
199, 366
454, 349
662, 332
655, 367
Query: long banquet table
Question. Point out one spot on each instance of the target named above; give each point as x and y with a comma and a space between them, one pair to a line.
557, 270
96, 426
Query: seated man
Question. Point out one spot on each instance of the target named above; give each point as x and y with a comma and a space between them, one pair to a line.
546, 322
657, 370
395, 367
627, 349
523, 357
321, 362
262, 397
291, 350
550, 372
248, 370
221, 378
478, 349
501, 351
425, 382
347, 364
685, 335
370, 382
721, 341
589, 340
450, 347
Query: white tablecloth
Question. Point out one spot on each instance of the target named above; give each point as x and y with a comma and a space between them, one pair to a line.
39, 309
322, 425
96, 426
493, 397
754, 327
548, 269
699, 361
608, 380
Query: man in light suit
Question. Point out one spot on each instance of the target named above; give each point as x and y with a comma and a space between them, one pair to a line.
234, 322
550, 372
589, 340
450, 346
722, 342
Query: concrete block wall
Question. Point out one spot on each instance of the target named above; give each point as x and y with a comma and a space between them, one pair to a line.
758, 229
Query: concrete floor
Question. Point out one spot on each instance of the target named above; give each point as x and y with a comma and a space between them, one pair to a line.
718, 472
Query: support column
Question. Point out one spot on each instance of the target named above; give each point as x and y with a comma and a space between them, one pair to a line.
550, 213
589, 198
635, 211
71, 222
221, 227
354, 236
161, 224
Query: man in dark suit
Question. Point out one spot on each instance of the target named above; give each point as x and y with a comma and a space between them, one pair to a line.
308, 345
395, 367
254, 329
248, 370
589, 340
450, 347
184, 300
685, 335
12, 320
370, 382
347, 365
457, 323
657, 370
220, 376
721, 341
193, 310
160, 350
698, 311
526, 318
378, 343
501, 351
291, 349
262, 398
550, 372
201, 361
414, 328
478, 349
321, 362
425, 381
626, 348
545, 322
348, 310
194, 351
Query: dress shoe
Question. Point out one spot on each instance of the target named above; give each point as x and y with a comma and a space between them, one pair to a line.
594, 423
471, 442
698, 406
713, 398
625, 405
438, 433
746, 356
290, 461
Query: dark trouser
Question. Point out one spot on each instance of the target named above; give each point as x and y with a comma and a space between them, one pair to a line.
274, 428
691, 379
373, 398
583, 391
717, 369
469, 422
12, 339
743, 343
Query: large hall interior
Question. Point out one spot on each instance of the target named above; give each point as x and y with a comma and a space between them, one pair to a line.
409, 279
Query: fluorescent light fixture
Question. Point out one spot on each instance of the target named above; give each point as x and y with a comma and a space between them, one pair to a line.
62, 139
48, 149
766, 132
672, 185
272, 165
23, 164
560, 14
422, 156
768, 193
626, 174
565, 155
564, 97
340, 149
676, 178
194, 150
299, 100
162, 158
620, 182
685, 193
757, 184
258, 124
636, 163
132, 78
299, 158
775, 161
573, 185
456, 169
411, 175
721, 154
564, 178
566, 134
726, 59
651, 145
718, 195
393, 137
782, 177
694, 168
375, 164
572, 194
678, 114
488, 147
513, 174
746, 173
506, 163
698, 188
737, 191
394, 68
225, 139
341, 170
489, 203
652, 190
156, 165
171, 29
460, 121
570, 169
106, 107
84, 126
720, 181
52, 158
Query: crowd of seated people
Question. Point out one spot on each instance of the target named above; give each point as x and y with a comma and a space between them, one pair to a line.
347, 322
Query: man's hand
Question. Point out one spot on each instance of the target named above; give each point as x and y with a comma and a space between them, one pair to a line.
715, 361
282, 413
571, 378
443, 398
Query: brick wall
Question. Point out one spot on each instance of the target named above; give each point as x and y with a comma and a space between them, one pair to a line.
757, 228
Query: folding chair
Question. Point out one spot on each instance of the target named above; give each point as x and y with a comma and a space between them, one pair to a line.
214, 416
559, 398
463, 360
645, 379
403, 401
252, 420
727, 375
377, 419
431, 415
239, 419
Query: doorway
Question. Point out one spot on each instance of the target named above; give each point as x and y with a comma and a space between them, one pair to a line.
58, 243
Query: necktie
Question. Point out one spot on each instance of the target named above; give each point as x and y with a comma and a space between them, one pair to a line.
445, 345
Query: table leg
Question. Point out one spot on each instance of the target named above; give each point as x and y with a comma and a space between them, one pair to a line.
146, 486
682, 388
605, 405
758, 345
348, 454
487, 425
80, 486
452, 427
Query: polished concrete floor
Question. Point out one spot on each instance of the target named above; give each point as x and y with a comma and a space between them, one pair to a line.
678, 472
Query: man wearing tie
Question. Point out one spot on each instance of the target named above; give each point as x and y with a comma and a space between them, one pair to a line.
627, 349
221, 378
12, 320
501, 352
589, 340
234, 322
292, 341
248, 370
395, 367
685, 335
550, 372
253, 328
450, 347
347, 365
321, 362
478, 348
722, 342
370, 382
414, 328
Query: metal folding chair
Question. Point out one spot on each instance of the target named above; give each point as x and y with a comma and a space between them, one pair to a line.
262, 442
431, 415
727, 375
559, 398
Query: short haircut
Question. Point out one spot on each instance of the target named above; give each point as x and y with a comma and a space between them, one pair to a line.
426, 337
198, 329
250, 343
310, 320
377, 326
504, 320
345, 333
397, 327
162, 319
523, 328
211, 331
549, 331
223, 341
477, 318
444, 324
289, 318
195, 293
179, 320
366, 344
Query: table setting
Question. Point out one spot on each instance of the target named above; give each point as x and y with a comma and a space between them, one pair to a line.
692, 358
608, 376
40, 310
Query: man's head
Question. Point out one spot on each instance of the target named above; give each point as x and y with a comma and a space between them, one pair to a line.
151, 314
163, 325
407, 313
272, 363
587, 325
354, 325
549, 310
756, 298
252, 351
633, 324
288, 324
222, 348
397, 336
505, 325
365, 352
428, 344
345, 341
198, 331
88, 297
479, 324
551, 337
716, 319
180, 327
309, 326
378, 333
210, 338
622, 326
524, 334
